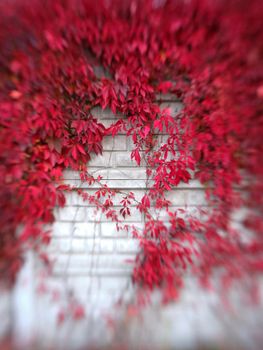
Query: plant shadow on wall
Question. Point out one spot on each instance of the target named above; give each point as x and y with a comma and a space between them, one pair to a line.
48, 91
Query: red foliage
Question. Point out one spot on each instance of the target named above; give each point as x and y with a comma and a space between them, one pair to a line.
207, 53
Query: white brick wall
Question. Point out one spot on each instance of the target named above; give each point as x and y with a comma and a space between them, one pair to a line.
93, 262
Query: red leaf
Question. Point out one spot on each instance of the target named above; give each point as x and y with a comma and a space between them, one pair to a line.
81, 149
136, 155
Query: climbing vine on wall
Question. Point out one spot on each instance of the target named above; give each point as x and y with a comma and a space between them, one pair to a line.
206, 53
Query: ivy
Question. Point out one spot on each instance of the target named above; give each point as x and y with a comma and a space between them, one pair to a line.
206, 53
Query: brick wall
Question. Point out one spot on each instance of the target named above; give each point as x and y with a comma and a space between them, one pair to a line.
90, 264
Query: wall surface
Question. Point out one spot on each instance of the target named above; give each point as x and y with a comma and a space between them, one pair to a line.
5, 313
92, 265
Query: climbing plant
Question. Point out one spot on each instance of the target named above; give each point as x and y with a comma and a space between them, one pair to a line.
206, 53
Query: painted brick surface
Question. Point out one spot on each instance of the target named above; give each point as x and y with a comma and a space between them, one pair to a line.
93, 263
90, 256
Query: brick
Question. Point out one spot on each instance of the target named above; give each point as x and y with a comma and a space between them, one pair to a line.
62, 229
60, 245
78, 245
107, 245
85, 284
123, 159
127, 246
131, 173
76, 261
117, 143
99, 245
71, 174
92, 246
66, 214
80, 262
86, 229
125, 183
72, 214
177, 197
110, 230
104, 160
78, 214
111, 285
102, 302
123, 262
196, 197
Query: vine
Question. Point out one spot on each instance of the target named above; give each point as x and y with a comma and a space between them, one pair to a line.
206, 53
